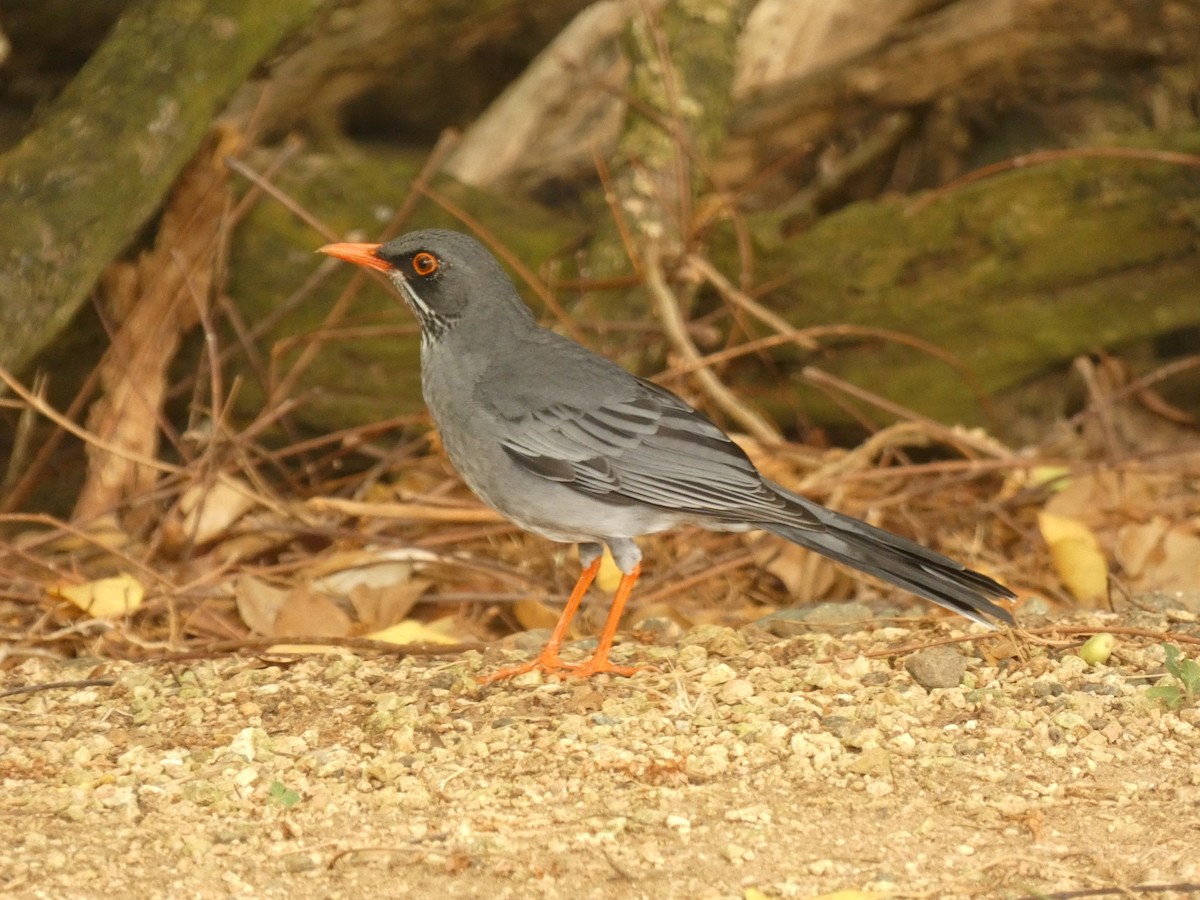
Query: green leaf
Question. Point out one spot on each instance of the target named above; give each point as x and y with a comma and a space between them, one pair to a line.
1167, 694
1172, 661
1189, 674
282, 795
1186, 672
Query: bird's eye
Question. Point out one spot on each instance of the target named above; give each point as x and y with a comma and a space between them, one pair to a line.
425, 264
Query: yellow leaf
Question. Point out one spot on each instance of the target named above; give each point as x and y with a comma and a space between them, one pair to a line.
535, 614
411, 631
1076, 555
107, 598
850, 895
609, 575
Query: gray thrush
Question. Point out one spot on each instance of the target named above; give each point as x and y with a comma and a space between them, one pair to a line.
570, 446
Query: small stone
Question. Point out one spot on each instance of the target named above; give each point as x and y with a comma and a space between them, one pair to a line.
659, 630
718, 674
784, 623
876, 761
879, 788
691, 657
1046, 687
299, 862
938, 667
818, 676
680, 823
716, 639
736, 690
737, 853
531, 641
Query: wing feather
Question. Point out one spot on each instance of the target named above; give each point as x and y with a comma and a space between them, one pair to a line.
646, 447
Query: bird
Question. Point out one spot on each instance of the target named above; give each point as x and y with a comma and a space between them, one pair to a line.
569, 445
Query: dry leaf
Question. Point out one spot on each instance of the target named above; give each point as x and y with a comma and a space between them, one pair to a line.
412, 631
1077, 557
251, 541
1140, 546
1089, 494
1160, 556
105, 598
1180, 570
306, 613
805, 575
207, 510
782, 559
258, 603
378, 607
373, 566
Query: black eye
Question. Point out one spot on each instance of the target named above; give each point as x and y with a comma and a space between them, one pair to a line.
425, 264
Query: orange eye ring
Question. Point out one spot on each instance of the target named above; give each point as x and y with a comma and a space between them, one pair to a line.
425, 264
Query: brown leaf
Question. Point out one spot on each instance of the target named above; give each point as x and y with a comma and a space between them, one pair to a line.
258, 603
380, 607
1091, 494
309, 614
206, 511
806, 575
1139, 546
1160, 556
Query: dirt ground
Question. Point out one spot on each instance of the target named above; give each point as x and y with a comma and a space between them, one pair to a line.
744, 762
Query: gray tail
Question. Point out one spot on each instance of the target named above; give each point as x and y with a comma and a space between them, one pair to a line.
899, 561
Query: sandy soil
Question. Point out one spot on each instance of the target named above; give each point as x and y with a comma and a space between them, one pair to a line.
744, 762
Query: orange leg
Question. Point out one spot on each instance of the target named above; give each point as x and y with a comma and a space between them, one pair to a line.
548, 660
599, 661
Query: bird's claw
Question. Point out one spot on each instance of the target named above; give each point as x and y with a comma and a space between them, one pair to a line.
553, 664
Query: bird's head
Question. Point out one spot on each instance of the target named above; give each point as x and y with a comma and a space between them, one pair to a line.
443, 276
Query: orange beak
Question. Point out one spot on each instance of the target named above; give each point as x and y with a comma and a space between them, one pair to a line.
359, 254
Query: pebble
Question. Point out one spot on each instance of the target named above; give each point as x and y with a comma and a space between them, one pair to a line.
716, 639
718, 675
736, 690
937, 667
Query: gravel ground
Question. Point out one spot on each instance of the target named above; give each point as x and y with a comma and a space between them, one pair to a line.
743, 761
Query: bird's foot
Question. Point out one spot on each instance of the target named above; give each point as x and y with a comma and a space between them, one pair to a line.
550, 663
596, 666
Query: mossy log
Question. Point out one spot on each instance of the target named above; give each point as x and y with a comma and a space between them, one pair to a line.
79, 187
1013, 275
